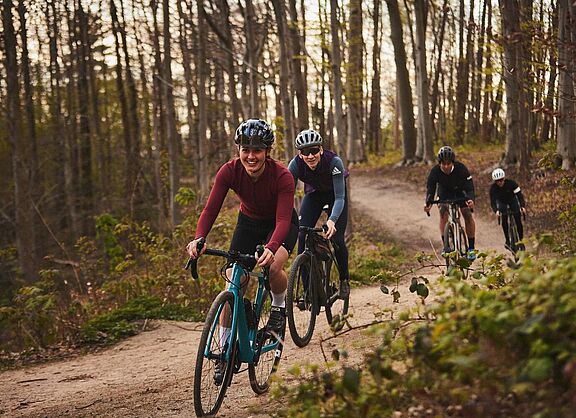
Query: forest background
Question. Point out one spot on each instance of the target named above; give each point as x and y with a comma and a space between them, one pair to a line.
116, 114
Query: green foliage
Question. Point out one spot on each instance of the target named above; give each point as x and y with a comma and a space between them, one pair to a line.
499, 351
120, 322
373, 263
107, 228
185, 196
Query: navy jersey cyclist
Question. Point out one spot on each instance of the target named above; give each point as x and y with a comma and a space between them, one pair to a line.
267, 216
451, 180
505, 194
323, 175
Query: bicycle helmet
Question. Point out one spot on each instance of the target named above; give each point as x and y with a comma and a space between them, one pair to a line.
498, 174
254, 133
307, 138
446, 154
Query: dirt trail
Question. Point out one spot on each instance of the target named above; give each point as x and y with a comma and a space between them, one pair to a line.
151, 374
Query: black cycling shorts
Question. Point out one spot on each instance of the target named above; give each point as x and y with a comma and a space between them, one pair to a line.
250, 233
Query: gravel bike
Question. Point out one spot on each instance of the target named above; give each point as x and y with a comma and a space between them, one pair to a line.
235, 334
313, 283
455, 238
513, 236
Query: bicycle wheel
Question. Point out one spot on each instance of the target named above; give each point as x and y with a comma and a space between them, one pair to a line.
463, 242
336, 308
513, 233
269, 348
210, 381
301, 305
449, 244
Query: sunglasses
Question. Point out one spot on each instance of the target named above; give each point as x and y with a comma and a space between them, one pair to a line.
308, 151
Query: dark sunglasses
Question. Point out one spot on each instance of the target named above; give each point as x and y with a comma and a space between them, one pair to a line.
308, 151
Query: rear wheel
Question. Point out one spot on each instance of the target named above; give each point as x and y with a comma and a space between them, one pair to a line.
213, 371
269, 351
336, 307
301, 305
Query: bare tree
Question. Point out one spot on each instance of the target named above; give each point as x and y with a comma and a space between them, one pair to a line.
566, 86
341, 139
374, 133
25, 237
404, 88
354, 84
298, 69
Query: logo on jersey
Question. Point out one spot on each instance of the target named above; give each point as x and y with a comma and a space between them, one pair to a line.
335, 172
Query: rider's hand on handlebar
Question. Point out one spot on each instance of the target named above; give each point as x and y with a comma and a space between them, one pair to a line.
470, 204
331, 229
192, 248
266, 259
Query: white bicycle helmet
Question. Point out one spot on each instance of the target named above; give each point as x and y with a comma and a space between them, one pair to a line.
307, 138
498, 174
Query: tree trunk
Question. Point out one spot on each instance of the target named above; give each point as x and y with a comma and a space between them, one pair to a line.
202, 111
374, 133
341, 140
566, 119
355, 82
424, 123
25, 237
298, 58
280, 13
462, 83
403, 80
171, 133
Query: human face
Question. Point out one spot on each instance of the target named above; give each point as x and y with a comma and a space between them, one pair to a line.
446, 166
499, 182
253, 160
311, 156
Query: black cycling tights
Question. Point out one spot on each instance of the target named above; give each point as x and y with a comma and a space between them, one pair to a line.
310, 211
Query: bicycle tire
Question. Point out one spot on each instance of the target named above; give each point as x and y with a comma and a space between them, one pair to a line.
208, 394
301, 304
513, 233
336, 308
463, 242
449, 244
268, 360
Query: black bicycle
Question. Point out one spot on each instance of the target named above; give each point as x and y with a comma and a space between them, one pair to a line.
455, 238
314, 283
513, 236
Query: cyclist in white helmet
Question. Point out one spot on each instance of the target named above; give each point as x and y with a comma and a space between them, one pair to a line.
506, 194
324, 178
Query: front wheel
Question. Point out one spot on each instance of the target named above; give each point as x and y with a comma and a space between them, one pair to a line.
301, 304
215, 361
449, 245
336, 307
268, 350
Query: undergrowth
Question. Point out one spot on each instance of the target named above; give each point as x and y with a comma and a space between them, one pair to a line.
500, 346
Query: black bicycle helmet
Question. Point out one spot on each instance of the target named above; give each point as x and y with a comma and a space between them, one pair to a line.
307, 138
446, 154
254, 133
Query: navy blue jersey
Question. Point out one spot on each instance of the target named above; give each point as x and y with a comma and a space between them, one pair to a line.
328, 176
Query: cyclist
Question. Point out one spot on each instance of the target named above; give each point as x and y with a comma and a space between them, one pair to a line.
451, 180
323, 175
267, 216
505, 193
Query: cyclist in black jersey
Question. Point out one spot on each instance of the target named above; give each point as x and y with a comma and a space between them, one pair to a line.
505, 194
323, 175
451, 179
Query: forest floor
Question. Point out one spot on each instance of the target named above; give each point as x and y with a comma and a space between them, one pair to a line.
151, 373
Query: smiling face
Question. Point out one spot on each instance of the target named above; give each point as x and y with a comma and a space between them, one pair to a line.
253, 160
311, 156
446, 166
